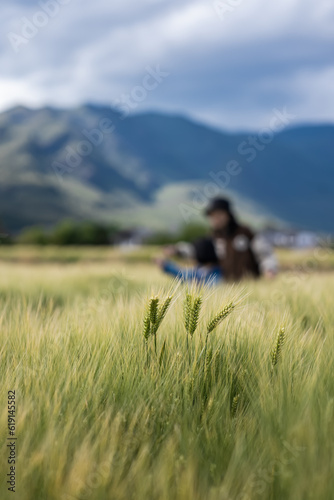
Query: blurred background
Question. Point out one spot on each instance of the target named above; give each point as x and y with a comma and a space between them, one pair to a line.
120, 120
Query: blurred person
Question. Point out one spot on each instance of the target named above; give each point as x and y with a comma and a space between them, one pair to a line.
207, 269
232, 252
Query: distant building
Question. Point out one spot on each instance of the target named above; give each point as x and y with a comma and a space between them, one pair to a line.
291, 238
129, 238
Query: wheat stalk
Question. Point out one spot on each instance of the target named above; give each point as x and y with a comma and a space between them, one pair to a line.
163, 310
191, 308
216, 320
187, 311
154, 317
153, 308
150, 318
276, 352
235, 405
162, 353
194, 317
147, 327
207, 361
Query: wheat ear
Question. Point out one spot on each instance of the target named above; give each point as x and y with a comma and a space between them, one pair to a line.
216, 320
163, 310
187, 311
277, 351
235, 405
194, 317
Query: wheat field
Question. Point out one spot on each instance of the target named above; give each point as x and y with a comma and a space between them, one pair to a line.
108, 410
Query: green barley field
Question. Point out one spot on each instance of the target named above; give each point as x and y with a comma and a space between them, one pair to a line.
218, 394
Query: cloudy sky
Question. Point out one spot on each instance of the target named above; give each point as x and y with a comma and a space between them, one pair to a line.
228, 63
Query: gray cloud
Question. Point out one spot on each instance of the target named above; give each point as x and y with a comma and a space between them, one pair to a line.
230, 72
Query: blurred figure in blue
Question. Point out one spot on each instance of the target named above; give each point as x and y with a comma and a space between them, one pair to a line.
232, 252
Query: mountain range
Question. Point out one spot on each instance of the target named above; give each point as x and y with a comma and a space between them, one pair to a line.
158, 170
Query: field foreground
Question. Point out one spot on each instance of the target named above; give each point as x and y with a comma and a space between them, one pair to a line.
100, 415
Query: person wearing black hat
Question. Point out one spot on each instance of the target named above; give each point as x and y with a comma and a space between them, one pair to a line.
241, 253
232, 252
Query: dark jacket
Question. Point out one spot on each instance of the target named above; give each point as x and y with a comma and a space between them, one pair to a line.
236, 250
235, 254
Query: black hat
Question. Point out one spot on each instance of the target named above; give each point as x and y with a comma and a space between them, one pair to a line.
218, 204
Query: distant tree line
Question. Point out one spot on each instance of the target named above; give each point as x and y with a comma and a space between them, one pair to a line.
189, 232
69, 232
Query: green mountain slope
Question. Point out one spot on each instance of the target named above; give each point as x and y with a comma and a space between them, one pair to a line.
90, 163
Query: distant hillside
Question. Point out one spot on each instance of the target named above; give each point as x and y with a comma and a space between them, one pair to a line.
120, 172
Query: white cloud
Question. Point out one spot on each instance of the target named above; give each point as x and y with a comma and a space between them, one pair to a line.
231, 72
